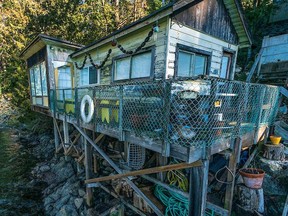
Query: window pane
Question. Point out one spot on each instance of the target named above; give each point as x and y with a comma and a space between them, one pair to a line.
84, 76
37, 77
32, 83
141, 65
64, 82
224, 67
200, 65
184, 64
122, 69
92, 75
44, 79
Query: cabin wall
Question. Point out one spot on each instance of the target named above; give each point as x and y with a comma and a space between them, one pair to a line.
211, 17
179, 34
129, 42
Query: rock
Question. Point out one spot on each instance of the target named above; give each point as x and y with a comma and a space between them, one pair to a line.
81, 192
78, 202
44, 168
62, 202
67, 210
92, 212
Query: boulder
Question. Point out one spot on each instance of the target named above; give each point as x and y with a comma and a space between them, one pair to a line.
78, 202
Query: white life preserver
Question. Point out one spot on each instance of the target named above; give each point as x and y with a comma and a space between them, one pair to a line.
87, 118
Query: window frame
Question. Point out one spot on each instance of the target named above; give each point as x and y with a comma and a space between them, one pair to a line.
192, 50
231, 73
143, 51
97, 74
39, 64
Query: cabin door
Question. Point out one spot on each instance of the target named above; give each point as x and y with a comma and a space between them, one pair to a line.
226, 66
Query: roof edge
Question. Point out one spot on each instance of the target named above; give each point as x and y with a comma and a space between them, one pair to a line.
49, 38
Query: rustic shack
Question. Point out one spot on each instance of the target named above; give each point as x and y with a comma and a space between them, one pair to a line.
163, 87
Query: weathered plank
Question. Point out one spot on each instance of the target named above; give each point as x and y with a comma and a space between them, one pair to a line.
146, 171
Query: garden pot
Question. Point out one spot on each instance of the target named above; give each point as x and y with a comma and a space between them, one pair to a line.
275, 139
253, 178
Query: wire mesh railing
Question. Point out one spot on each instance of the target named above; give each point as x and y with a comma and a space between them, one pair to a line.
186, 113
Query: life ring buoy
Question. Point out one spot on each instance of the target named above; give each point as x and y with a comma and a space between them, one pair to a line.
87, 99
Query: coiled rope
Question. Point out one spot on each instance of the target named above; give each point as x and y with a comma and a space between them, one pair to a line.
176, 204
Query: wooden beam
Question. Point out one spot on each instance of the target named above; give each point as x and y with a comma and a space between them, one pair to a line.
198, 189
147, 171
56, 135
231, 178
120, 171
88, 169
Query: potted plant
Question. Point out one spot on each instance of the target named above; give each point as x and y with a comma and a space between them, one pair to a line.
252, 177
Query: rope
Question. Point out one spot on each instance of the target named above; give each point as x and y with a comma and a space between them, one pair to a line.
176, 204
91, 61
228, 182
139, 47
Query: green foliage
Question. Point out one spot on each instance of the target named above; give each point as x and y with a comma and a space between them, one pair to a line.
80, 21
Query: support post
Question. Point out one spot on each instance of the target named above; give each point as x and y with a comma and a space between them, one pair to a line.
233, 161
88, 169
66, 132
56, 135
118, 170
198, 189
161, 161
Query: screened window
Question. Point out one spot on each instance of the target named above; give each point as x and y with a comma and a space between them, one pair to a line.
38, 84
133, 67
191, 64
65, 82
88, 75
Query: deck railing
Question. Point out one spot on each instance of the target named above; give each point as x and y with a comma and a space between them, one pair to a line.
187, 113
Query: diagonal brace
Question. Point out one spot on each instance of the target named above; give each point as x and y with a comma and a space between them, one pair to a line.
111, 162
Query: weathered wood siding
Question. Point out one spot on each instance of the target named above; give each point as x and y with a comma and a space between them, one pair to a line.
211, 17
184, 35
274, 59
275, 49
129, 42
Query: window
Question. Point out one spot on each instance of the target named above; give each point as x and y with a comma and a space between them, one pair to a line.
226, 65
88, 75
64, 82
133, 67
191, 62
38, 84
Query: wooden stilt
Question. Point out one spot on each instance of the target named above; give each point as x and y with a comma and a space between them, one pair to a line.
88, 169
233, 161
161, 161
56, 135
66, 134
198, 189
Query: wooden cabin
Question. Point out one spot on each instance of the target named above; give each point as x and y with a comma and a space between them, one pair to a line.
163, 83
45, 57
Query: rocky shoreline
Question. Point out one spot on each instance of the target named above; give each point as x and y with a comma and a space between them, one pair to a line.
52, 185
